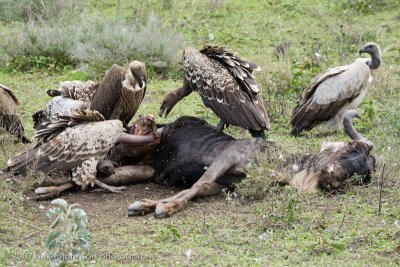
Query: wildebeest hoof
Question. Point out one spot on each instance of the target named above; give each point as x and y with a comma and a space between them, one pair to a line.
160, 211
137, 209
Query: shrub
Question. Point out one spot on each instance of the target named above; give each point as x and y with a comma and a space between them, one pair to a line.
68, 237
25, 10
98, 41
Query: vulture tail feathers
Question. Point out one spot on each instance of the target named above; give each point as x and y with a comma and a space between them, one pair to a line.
20, 163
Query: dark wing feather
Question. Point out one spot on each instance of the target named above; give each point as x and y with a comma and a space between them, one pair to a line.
10, 93
222, 92
108, 92
55, 126
240, 69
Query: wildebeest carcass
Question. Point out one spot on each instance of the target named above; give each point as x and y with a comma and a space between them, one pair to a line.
193, 154
331, 168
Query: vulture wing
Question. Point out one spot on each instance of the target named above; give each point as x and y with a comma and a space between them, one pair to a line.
10, 93
78, 90
231, 92
108, 92
69, 148
328, 93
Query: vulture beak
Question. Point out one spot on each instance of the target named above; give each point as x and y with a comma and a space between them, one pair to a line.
362, 50
139, 79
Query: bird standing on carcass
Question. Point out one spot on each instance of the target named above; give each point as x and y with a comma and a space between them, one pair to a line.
335, 91
226, 85
193, 154
72, 96
121, 92
9, 119
73, 145
335, 163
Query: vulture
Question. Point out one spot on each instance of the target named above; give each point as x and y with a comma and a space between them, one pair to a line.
226, 85
335, 91
72, 144
70, 97
335, 163
9, 119
121, 92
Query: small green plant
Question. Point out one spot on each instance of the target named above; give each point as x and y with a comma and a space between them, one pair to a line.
325, 244
68, 237
168, 233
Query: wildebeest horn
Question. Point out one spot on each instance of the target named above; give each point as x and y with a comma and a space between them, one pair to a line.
138, 139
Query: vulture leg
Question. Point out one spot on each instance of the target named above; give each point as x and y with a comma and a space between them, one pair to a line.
255, 133
52, 191
112, 189
233, 155
220, 126
171, 98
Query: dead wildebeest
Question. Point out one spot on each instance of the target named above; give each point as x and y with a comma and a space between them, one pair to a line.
193, 154
331, 168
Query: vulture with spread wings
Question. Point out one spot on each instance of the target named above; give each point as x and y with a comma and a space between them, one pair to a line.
335, 91
225, 84
9, 119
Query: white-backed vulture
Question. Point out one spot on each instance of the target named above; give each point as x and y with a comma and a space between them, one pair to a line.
225, 84
9, 119
121, 92
72, 144
335, 163
71, 96
334, 91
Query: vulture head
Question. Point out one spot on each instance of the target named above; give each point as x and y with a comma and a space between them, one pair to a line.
138, 70
144, 125
374, 50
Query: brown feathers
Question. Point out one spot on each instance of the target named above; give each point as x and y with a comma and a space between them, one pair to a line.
226, 85
55, 126
121, 92
9, 119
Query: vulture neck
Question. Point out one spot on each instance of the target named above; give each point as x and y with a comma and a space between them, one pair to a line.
375, 61
353, 134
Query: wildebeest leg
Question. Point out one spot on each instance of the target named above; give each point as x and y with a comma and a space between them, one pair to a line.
129, 175
173, 97
233, 155
52, 191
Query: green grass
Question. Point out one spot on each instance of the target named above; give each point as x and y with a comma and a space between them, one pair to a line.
283, 228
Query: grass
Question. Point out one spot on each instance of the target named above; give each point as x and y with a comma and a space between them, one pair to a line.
282, 228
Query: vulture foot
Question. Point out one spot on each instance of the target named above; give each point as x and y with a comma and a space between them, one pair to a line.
109, 188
